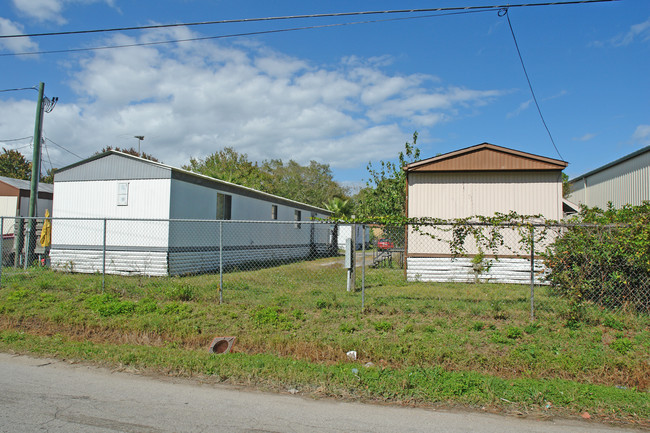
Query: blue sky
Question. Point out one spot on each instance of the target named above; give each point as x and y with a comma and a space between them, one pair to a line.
342, 95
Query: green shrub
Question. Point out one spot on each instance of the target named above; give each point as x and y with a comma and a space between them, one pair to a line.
605, 260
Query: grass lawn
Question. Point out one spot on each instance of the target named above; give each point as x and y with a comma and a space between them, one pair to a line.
471, 345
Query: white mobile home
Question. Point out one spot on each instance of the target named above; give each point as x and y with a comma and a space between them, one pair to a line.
621, 182
479, 180
161, 220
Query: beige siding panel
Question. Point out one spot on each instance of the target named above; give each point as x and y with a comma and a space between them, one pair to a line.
464, 194
461, 195
8, 208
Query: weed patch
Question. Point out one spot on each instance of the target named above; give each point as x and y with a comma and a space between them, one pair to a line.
412, 334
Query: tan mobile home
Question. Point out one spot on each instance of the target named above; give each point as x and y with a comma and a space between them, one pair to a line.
478, 180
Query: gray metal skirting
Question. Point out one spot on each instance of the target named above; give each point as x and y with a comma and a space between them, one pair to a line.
156, 261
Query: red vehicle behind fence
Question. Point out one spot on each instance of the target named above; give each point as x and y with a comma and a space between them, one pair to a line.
385, 244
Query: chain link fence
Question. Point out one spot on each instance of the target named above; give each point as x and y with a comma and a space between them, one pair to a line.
539, 269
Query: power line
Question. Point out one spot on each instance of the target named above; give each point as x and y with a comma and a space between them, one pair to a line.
59, 146
47, 152
261, 32
291, 17
22, 88
503, 12
17, 139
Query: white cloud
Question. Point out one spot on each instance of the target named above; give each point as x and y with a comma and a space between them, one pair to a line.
190, 100
585, 137
15, 45
522, 107
637, 31
42, 10
642, 134
50, 10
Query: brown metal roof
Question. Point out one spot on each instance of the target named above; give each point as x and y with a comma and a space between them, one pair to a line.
486, 157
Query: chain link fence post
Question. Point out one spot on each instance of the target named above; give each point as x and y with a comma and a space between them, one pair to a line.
104, 259
221, 262
532, 273
363, 266
2, 256
19, 241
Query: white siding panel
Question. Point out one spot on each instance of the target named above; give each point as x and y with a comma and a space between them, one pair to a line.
117, 262
510, 271
148, 198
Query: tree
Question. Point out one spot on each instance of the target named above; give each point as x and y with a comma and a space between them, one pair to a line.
339, 207
13, 164
566, 186
385, 192
130, 151
50, 176
231, 166
313, 184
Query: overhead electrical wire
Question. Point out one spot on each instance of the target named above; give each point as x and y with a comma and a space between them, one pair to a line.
15, 90
17, 139
61, 147
261, 32
47, 152
504, 12
291, 17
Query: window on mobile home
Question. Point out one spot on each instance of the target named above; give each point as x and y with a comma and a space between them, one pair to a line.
224, 206
123, 194
297, 216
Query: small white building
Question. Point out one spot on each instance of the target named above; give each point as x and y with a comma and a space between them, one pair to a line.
345, 232
621, 182
478, 180
162, 220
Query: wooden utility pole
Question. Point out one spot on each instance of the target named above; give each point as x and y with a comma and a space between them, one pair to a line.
36, 173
